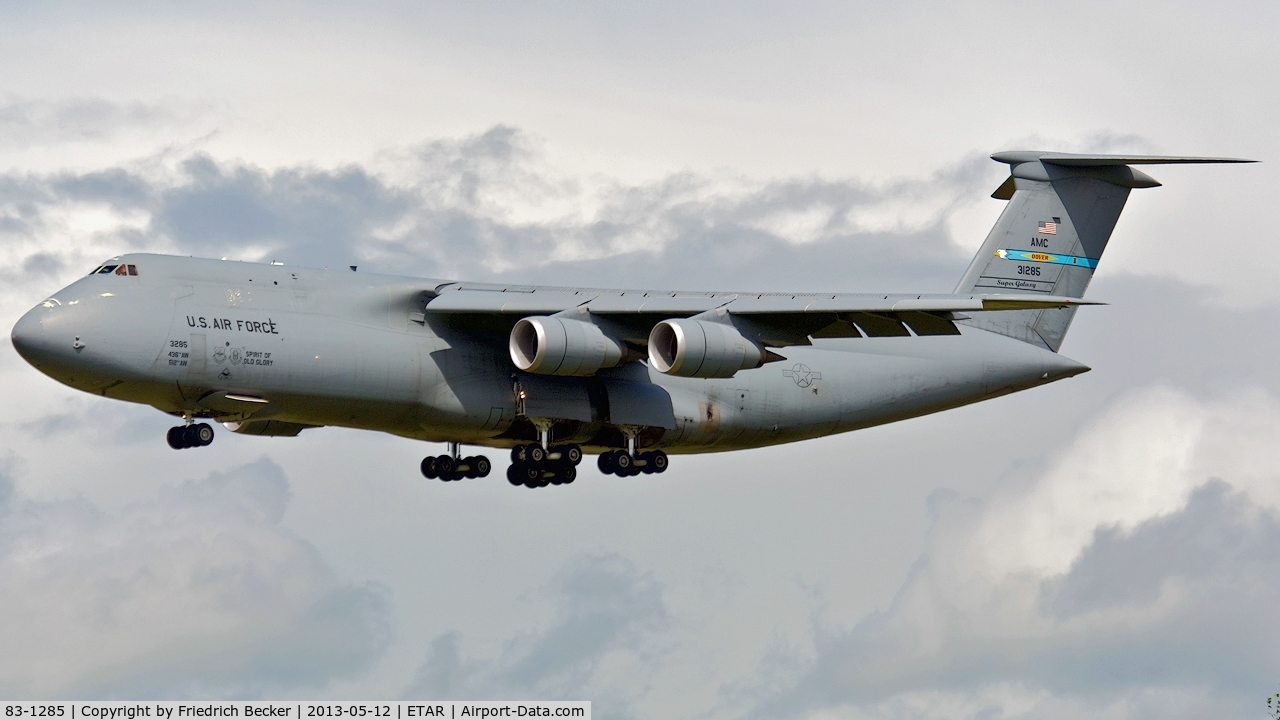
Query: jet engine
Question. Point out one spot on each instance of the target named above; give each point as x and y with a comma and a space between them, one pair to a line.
693, 348
560, 346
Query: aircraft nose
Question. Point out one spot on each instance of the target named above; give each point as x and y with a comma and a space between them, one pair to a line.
28, 336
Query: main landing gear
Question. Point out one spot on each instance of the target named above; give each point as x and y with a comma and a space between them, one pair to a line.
189, 436
629, 462
624, 464
454, 467
534, 466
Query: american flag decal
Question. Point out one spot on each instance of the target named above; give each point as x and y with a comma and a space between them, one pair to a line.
1047, 227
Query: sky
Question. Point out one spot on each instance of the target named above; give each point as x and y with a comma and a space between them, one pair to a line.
1106, 546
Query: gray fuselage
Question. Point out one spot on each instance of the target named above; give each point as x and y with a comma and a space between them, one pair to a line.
250, 344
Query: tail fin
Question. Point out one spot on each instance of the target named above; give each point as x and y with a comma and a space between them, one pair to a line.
1062, 208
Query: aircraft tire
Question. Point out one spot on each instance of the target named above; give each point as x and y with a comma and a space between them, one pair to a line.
623, 463
659, 461
203, 434
174, 438
444, 466
535, 455
571, 454
605, 463
567, 474
429, 469
648, 468
517, 454
189, 437
530, 477
514, 475
481, 466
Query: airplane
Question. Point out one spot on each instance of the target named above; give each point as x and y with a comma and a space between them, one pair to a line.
553, 373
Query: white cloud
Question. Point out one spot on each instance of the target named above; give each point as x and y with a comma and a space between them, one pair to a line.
197, 592
1144, 548
484, 205
599, 644
25, 123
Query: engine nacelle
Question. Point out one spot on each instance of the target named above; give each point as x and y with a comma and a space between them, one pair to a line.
560, 346
693, 348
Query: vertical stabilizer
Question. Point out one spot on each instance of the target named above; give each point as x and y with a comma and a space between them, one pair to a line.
1050, 238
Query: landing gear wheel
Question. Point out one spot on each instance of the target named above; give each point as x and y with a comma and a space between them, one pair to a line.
605, 463
481, 467
444, 466
189, 437
567, 475
518, 454
655, 461
535, 455
623, 463
515, 475
203, 434
571, 454
531, 477
658, 461
175, 438
429, 468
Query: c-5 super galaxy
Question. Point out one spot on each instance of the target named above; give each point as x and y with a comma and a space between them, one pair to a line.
555, 372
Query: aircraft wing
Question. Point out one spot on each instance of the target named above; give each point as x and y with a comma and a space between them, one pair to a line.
518, 300
777, 319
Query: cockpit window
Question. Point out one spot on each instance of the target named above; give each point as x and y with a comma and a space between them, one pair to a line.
117, 269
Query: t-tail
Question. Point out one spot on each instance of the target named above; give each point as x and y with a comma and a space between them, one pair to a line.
1050, 237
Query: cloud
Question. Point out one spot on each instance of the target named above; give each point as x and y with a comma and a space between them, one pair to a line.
26, 122
490, 206
599, 644
196, 592
1125, 580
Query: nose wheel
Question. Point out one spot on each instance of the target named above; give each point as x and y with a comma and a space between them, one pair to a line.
190, 436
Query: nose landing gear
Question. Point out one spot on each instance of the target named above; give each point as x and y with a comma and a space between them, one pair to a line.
452, 466
189, 436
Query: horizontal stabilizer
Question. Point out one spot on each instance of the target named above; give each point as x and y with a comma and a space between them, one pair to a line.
1014, 157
